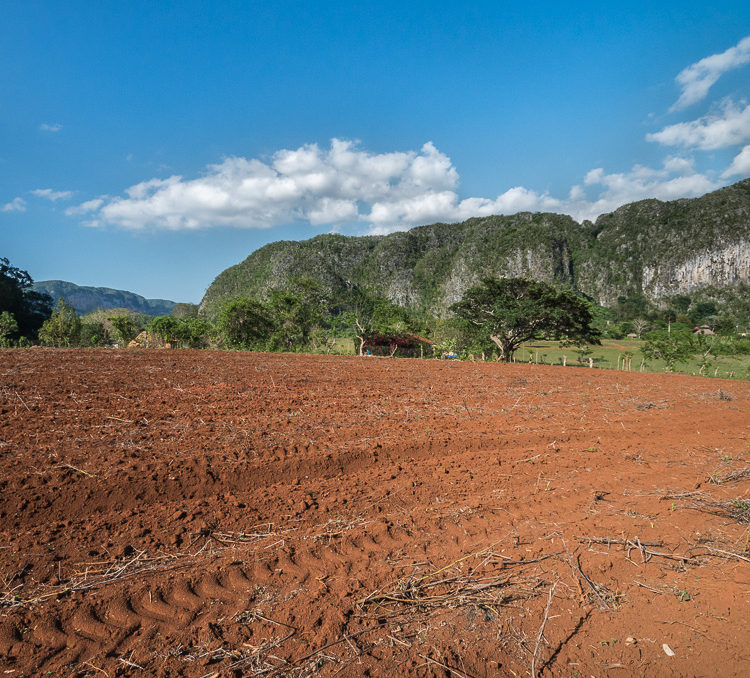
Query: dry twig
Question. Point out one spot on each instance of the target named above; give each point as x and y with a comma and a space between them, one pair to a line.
541, 630
449, 669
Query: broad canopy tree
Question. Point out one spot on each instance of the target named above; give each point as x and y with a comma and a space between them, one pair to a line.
245, 323
510, 311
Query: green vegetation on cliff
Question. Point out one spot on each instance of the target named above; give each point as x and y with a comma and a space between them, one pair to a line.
425, 269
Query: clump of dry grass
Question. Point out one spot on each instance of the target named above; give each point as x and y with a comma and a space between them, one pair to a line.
485, 585
737, 510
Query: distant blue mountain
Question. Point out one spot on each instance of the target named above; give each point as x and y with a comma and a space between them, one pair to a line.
87, 299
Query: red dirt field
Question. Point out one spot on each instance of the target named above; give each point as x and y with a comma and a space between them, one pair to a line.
235, 514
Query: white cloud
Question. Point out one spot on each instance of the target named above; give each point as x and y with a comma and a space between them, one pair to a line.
676, 179
697, 79
679, 165
576, 193
15, 205
730, 126
51, 195
85, 207
726, 125
740, 165
341, 184
345, 185
594, 176
50, 127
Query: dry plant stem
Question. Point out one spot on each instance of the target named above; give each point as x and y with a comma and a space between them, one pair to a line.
129, 663
646, 553
737, 509
530, 560
450, 670
96, 668
720, 552
602, 603
75, 468
541, 630
271, 621
278, 642
336, 642
447, 567
109, 576
621, 542
23, 402
682, 559
648, 588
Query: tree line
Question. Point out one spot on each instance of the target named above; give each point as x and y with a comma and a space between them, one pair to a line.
491, 321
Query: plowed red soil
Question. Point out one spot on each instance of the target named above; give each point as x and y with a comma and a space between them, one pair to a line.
236, 514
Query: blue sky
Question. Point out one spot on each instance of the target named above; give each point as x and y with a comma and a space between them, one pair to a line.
149, 145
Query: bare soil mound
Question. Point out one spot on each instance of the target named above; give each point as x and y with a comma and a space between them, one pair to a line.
236, 514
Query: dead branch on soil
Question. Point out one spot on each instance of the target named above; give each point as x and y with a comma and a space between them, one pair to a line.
641, 546
116, 571
731, 477
449, 669
720, 553
253, 536
646, 553
677, 495
600, 592
614, 540
648, 588
540, 635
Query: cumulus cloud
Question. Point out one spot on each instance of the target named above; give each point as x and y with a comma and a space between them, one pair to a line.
346, 186
675, 179
740, 165
730, 126
51, 195
15, 205
698, 78
50, 127
322, 186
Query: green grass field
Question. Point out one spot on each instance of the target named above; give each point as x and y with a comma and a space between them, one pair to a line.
613, 353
